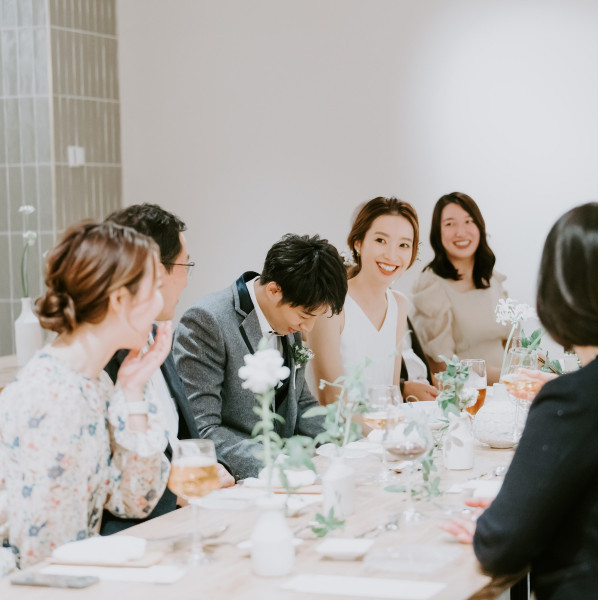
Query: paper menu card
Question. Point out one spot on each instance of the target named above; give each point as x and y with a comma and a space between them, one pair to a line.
363, 587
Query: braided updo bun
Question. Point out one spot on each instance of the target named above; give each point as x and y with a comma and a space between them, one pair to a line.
90, 262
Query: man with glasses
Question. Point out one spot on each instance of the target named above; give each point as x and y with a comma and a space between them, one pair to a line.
167, 231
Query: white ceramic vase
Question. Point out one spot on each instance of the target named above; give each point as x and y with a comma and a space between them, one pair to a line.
459, 443
272, 540
28, 333
338, 488
494, 424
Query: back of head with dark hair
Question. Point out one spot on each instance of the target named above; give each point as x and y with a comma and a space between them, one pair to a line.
567, 297
155, 222
484, 257
309, 271
368, 212
90, 261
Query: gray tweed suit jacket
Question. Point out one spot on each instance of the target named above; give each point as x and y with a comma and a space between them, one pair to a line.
211, 341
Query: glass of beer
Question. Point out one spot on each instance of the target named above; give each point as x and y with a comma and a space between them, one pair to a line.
382, 398
194, 475
478, 380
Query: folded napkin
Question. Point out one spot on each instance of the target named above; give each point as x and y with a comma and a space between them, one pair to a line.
102, 550
364, 587
254, 483
237, 497
482, 488
295, 479
156, 574
358, 449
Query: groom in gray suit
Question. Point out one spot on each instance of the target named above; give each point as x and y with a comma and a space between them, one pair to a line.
303, 278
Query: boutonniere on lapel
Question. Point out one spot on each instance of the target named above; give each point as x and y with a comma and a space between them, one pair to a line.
302, 355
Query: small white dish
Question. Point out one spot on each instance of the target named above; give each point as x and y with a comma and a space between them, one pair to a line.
344, 548
246, 545
350, 451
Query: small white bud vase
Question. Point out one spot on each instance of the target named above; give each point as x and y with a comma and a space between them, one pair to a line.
272, 540
459, 443
28, 333
494, 424
338, 488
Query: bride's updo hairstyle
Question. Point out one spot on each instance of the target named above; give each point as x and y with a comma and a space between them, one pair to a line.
89, 263
365, 216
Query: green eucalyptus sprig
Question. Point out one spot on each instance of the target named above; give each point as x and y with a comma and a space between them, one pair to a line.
352, 400
454, 397
326, 523
550, 366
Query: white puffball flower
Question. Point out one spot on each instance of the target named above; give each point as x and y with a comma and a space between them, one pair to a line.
26, 209
508, 311
29, 237
263, 370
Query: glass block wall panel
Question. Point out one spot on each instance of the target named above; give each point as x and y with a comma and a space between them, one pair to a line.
58, 88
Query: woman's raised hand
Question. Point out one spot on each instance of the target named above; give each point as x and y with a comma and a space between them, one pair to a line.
137, 368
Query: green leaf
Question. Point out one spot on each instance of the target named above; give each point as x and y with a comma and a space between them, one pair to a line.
315, 411
396, 489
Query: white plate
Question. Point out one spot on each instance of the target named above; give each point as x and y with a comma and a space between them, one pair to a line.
350, 451
246, 545
344, 548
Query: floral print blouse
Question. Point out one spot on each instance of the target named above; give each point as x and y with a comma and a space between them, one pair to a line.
66, 453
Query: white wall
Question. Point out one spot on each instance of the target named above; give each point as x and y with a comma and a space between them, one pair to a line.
250, 119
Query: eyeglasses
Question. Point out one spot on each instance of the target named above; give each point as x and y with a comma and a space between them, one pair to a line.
188, 266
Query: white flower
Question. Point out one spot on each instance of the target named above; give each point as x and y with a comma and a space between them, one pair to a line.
26, 209
348, 258
29, 237
263, 370
508, 311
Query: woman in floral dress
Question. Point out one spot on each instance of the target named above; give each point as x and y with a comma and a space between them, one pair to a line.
71, 442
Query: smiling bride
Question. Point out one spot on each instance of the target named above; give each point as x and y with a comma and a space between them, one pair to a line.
384, 241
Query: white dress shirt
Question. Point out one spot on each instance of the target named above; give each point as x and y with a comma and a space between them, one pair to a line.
272, 337
167, 404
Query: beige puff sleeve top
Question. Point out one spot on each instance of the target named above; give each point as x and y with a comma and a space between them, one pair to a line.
463, 323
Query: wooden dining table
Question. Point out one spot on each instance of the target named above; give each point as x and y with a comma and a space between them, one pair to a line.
230, 574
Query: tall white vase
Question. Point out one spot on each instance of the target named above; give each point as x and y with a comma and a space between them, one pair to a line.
272, 540
338, 489
459, 443
28, 333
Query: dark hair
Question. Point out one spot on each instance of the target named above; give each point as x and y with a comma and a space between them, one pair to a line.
152, 220
484, 257
567, 296
309, 271
89, 262
368, 212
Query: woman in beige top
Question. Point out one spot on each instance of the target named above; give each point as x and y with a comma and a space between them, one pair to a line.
455, 296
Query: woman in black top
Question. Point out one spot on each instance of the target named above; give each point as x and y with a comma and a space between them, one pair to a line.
545, 516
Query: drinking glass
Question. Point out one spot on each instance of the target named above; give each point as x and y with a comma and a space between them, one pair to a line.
477, 380
382, 399
407, 437
522, 387
520, 384
194, 475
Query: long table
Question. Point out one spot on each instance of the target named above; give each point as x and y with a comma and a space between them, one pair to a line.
230, 575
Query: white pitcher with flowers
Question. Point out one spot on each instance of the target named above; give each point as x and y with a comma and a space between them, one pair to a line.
272, 548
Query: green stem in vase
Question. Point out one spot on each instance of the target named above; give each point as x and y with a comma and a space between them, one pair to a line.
24, 272
506, 348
